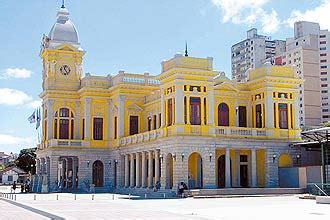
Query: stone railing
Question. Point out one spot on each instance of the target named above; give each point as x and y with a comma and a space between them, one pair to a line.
67, 143
142, 137
240, 131
130, 78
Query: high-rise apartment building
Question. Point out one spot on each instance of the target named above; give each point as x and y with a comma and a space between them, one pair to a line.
252, 52
308, 52
324, 74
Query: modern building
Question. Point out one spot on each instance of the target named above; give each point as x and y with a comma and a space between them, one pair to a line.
325, 74
253, 52
304, 51
188, 124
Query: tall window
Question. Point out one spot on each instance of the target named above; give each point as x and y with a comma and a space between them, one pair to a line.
159, 120
242, 116
115, 130
63, 124
195, 110
185, 109
154, 120
205, 118
283, 115
83, 129
98, 129
223, 115
169, 112
258, 116
133, 125
149, 123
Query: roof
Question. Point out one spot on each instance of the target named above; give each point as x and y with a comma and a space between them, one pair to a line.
63, 31
15, 169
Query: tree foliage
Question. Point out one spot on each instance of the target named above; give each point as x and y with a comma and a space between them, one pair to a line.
26, 160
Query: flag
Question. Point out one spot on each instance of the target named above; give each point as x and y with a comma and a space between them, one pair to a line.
32, 118
38, 118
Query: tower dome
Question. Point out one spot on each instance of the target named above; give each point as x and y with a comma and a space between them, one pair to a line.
63, 31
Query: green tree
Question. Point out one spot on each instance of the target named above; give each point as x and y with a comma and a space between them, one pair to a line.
26, 160
326, 124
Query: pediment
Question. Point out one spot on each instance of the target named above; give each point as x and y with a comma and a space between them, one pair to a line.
66, 47
134, 108
227, 86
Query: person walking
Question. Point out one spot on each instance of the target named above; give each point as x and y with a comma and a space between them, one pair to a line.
14, 186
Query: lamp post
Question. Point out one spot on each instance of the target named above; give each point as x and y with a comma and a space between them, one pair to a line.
274, 157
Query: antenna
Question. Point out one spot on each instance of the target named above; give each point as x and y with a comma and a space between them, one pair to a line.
63, 4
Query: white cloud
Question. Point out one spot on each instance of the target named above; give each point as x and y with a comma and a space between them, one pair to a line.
319, 14
250, 12
35, 104
14, 97
7, 139
16, 73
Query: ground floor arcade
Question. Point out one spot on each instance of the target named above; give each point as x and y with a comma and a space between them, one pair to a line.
200, 163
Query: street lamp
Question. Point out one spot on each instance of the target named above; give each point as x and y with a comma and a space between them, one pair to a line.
274, 157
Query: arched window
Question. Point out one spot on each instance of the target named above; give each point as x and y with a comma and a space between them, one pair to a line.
63, 124
223, 114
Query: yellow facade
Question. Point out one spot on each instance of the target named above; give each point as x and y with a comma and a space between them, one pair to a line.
184, 124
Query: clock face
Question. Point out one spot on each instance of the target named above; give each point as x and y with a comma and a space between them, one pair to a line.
65, 70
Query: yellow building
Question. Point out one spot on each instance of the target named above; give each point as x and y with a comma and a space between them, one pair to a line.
188, 124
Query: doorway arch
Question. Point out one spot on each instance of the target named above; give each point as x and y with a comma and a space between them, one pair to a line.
98, 173
169, 171
285, 160
195, 171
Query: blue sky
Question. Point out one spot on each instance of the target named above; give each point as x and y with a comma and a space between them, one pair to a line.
133, 35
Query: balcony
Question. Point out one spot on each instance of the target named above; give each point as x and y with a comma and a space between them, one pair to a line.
142, 137
67, 143
241, 132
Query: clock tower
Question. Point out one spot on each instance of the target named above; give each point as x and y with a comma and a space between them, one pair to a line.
62, 55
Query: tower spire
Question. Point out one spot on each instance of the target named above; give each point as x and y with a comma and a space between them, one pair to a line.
186, 51
63, 4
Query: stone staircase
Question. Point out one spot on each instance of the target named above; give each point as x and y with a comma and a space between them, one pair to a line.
145, 193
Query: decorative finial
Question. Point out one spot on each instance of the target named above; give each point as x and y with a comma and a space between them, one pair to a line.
63, 4
186, 51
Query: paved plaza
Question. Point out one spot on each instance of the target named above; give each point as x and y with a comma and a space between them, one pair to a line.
109, 206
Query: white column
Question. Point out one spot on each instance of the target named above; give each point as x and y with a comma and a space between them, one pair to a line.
295, 114
110, 132
157, 174
121, 116
162, 108
74, 172
228, 169
77, 135
137, 170
236, 114
254, 167
150, 169
144, 170
126, 171
249, 115
87, 127
210, 105
178, 108
268, 111
50, 119
238, 168
132, 181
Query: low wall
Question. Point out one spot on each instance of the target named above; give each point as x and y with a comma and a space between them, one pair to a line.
244, 191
